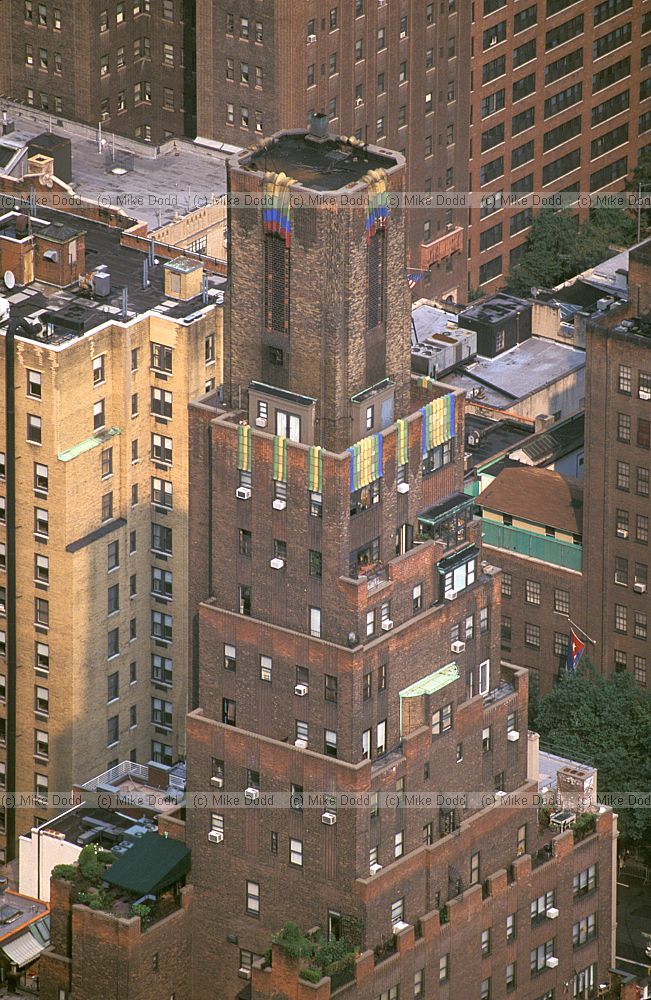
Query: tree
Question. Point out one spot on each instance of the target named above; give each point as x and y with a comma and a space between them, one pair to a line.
641, 178
551, 252
609, 722
558, 247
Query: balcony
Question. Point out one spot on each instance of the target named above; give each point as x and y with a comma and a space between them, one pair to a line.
503, 690
448, 521
441, 248
528, 543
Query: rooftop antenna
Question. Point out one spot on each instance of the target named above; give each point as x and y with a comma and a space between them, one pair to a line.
125, 303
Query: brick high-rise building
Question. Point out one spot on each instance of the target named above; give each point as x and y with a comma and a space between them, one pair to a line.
392, 74
559, 91
618, 463
346, 640
492, 96
127, 64
94, 491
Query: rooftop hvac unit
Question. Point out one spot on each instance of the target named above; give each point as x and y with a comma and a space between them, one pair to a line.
387, 625
277, 563
552, 912
260, 421
243, 493
217, 781
252, 793
450, 595
279, 504
301, 744
551, 962
403, 487
513, 736
375, 869
457, 647
215, 837
301, 690
329, 818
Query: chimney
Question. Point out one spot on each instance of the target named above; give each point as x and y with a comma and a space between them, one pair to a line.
317, 127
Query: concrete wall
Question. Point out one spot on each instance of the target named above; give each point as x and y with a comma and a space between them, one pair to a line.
37, 856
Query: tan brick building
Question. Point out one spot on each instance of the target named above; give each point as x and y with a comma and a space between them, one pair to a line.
97, 672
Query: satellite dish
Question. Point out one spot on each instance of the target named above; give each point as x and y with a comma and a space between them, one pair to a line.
9, 279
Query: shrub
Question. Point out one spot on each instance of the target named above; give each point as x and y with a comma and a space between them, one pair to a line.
311, 974
68, 872
293, 942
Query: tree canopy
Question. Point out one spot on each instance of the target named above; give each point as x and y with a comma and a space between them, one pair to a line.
558, 247
609, 722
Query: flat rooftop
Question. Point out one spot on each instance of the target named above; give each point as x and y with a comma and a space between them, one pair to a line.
556, 441
78, 309
154, 185
428, 320
537, 495
518, 372
495, 309
327, 165
495, 436
17, 911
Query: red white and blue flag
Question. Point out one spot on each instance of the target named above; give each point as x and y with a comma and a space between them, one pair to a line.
412, 280
575, 650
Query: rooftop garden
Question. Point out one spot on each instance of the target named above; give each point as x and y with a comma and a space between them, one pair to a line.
318, 956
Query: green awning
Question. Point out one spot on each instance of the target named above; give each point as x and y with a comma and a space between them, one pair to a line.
151, 866
430, 684
88, 444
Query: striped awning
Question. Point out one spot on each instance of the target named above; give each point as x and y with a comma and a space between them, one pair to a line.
22, 950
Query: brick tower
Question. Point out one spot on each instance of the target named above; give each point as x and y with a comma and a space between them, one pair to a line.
343, 643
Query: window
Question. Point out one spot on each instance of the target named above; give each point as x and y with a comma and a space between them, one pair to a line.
161, 402
161, 492
585, 881
609, 8
539, 956
330, 692
41, 612
266, 667
639, 670
510, 927
485, 942
474, 868
296, 852
41, 785
161, 539
640, 630
490, 171
442, 720
34, 428
253, 898
315, 563
584, 930
161, 669
643, 433
532, 635
493, 103
532, 592
642, 482
161, 449
161, 626
493, 69
107, 507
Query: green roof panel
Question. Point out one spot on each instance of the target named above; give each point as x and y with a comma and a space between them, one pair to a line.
433, 682
88, 444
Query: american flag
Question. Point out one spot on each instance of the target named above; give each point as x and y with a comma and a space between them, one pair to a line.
413, 279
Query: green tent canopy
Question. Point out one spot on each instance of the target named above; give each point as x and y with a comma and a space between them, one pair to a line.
151, 866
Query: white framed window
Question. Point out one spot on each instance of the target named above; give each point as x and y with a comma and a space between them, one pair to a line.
381, 737
296, 852
484, 677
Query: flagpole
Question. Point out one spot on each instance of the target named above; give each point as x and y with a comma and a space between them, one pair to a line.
578, 628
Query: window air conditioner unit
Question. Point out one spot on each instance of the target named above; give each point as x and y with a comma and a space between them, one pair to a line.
358, 102
260, 421
215, 837
301, 744
639, 588
500, 794
243, 493
301, 690
279, 504
644, 393
217, 781
311, 38
450, 595
513, 736
329, 818
375, 869
387, 625
277, 563
457, 647
622, 532
552, 912
252, 793
403, 487
551, 962
244, 973
401, 925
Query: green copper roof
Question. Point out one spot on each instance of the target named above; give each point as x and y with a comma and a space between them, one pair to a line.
88, 444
